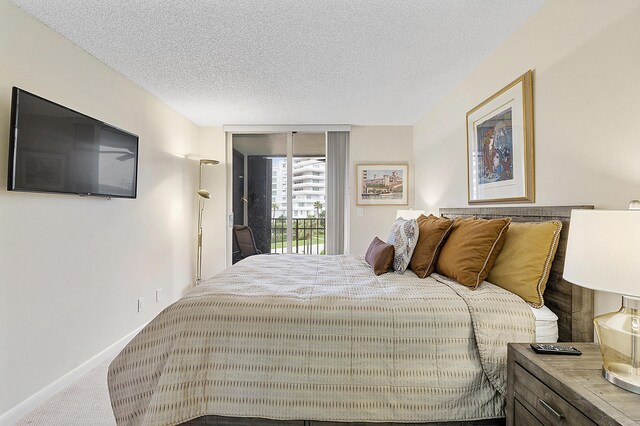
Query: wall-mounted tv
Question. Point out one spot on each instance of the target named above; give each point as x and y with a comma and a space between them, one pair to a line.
56, 149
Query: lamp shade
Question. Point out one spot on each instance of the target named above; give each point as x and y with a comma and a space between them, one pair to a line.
409, 214
603, 251
204, 193
208, 162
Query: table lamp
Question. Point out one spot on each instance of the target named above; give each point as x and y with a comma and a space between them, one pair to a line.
603, 254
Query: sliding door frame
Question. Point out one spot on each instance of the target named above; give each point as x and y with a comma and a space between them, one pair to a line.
230, 130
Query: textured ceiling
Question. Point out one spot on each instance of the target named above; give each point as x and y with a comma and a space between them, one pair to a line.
289, 61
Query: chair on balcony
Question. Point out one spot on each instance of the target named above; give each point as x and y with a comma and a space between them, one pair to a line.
243, 239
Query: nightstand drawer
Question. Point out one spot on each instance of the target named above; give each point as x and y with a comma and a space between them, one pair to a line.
525, 418
546, 405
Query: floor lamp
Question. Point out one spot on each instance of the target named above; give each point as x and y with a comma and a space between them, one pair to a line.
203, 194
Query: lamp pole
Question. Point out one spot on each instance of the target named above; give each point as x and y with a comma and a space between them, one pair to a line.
203, 194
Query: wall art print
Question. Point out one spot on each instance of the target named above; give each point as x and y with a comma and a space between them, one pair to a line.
382, 184
500, 146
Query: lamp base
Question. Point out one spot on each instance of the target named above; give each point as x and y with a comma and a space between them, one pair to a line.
621, 382
619, 338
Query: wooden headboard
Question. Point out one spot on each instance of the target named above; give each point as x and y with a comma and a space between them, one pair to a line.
573, 304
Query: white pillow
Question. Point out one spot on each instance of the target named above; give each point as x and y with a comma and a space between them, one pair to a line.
403, 237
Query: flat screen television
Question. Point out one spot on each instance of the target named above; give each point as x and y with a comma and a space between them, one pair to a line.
53, 148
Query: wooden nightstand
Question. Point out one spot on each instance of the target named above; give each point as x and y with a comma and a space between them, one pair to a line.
565, 390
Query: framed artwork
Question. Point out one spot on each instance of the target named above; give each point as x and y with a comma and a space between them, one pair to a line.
382, 184
500, 146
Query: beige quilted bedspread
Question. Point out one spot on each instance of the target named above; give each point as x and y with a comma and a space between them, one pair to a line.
321, 337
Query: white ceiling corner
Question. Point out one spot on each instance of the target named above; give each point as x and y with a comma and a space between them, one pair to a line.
383, 62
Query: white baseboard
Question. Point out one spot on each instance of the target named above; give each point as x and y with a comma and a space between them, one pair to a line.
29, 404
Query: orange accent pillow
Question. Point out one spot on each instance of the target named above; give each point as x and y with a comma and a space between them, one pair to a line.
379, 256
471, 249
431, 237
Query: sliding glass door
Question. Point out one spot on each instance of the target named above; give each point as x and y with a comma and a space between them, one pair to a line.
279, 190
308, 196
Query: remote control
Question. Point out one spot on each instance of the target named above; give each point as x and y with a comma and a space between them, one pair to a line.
546, 348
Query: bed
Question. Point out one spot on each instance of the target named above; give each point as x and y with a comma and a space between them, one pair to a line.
302, 340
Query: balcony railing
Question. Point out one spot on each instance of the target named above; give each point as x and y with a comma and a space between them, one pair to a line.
307, 235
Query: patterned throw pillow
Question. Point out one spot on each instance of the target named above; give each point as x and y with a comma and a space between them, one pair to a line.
403, 237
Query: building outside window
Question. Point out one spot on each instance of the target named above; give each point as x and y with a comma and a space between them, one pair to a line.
308, 183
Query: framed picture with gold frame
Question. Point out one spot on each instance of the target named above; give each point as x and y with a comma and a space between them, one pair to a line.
382, 184
500, 146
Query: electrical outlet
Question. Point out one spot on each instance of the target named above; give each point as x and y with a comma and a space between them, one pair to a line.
360, 212
158, 294
140, 304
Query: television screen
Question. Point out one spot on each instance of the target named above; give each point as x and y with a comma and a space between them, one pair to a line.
55, 149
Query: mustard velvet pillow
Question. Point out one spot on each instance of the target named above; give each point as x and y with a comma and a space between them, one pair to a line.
471, 249
379, 256
524, 263
433, 232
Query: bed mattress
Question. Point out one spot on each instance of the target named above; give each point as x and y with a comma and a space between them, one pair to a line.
546, 325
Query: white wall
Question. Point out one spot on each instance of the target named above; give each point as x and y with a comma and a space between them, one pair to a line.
585, 55
71, 268
377, 145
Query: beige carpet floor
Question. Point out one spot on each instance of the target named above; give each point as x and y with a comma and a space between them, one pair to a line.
84, 402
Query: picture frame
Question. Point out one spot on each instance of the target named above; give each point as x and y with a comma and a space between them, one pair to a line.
500, 162
382, 184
